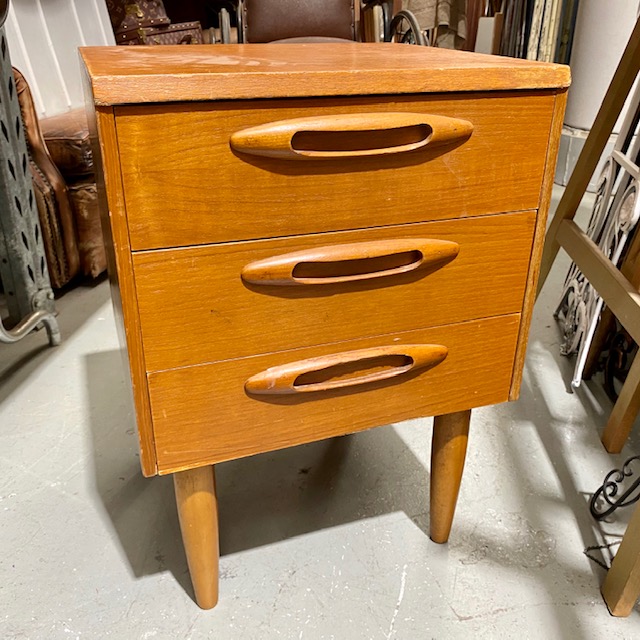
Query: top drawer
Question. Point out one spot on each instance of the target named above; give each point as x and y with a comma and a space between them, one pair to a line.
185, 184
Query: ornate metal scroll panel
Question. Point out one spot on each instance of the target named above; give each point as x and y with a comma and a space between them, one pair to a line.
615, 491
615, 213
23, 267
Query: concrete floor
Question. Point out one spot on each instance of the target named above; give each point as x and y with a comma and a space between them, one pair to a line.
327, 540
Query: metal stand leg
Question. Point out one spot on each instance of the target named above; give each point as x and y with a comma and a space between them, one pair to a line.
23, 268
28, 324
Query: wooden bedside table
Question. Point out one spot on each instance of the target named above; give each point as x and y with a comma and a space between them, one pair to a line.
311, 240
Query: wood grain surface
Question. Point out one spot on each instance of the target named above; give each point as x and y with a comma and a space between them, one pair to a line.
617, 292
624, 413
204, 415
630, 269
621, 587
538, 241
198, 212
209, 313
353, 135
350, 262
123, 293
345, 369
125, 75
448, 452
187, 187
198, 514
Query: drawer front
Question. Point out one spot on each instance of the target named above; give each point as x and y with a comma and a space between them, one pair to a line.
349, 167
204, 414
225, 301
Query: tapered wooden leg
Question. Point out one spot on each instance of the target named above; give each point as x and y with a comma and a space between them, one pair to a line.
621, 587
448, 450
198, 513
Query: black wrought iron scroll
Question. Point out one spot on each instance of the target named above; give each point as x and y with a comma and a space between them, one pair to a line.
612, 495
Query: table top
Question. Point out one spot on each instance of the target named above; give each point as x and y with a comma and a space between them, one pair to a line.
140, 74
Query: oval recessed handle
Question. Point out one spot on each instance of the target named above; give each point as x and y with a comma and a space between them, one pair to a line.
349, 135
347, 369
351, 262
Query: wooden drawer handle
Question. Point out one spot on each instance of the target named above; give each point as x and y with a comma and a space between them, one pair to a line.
351, 262
349, 136
346, 369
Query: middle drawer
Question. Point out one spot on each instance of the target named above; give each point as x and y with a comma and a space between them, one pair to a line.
217, 302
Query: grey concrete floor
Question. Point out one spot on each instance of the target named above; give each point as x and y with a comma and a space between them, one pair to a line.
327, 540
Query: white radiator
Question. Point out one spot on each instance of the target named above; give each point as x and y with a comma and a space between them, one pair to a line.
44, 36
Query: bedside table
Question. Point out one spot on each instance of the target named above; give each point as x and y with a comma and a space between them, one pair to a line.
306, 241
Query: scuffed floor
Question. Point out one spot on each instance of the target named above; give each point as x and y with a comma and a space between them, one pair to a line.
326, 541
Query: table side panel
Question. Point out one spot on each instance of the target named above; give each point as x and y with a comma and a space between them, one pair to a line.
123, 292
538, 242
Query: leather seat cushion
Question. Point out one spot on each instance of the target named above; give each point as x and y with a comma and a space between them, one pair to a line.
67, 138
313, 39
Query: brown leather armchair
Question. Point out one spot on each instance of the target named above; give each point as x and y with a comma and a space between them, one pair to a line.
327, 21
293, 19
61, 165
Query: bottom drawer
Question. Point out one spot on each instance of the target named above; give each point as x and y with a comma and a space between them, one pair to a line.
214, 412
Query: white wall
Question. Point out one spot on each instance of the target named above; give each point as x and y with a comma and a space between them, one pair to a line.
44, 36
602, 31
